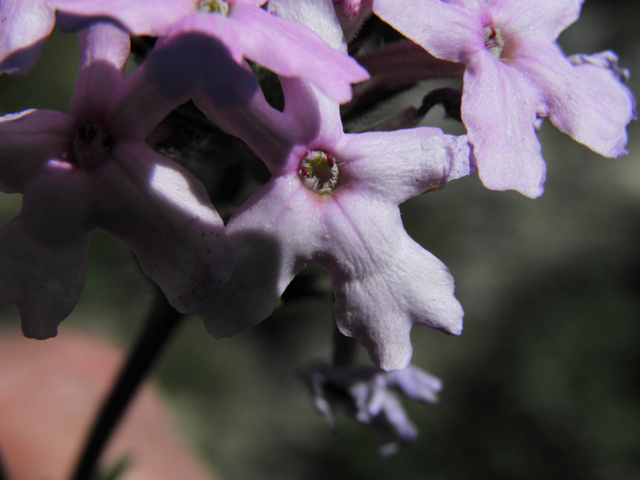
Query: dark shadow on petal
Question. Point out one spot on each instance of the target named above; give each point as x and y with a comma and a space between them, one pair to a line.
252, 293
194, 60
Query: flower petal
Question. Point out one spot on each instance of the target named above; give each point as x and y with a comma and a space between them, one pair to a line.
27, 141
274, 234
447, 31
499, 108
384, 282
396, 166
43, 250
104, 51
140, 17
586, 101
540, 19
24, 27
291, 50
163, 213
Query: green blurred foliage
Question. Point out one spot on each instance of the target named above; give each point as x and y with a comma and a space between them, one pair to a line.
543, 383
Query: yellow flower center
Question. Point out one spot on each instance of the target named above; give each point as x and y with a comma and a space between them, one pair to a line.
319, 172
221, 7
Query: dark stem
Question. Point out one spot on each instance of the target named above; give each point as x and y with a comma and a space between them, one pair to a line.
159, 327
3, 472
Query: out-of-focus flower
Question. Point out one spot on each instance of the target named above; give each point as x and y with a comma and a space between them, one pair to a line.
333, 200
368, 395
49, 395
91, 168
516, 73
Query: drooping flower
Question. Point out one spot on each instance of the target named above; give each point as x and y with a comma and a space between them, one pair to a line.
333, 200
516, 73
91, 168
369, 396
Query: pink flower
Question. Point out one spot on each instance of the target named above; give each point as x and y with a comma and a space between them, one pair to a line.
515, 73
239, 28
333, 200
92, 168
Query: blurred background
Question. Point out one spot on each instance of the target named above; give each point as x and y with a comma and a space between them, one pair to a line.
543, 383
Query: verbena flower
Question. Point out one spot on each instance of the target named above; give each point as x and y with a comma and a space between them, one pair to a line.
370, 396
91, 168
516, 73
333, 200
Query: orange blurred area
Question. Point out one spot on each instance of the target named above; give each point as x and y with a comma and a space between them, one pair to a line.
50, 393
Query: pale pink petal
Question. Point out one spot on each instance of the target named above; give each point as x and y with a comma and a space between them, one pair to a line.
396, 166
384, 282
499, 108
43, 250
27, 141
291, 50
24, 27
275, 234
139, 17
539, 19
447, 31
587, 101
164, 214
104, 50
315, 115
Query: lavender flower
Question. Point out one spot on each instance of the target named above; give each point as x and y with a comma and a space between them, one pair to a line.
368, 395
333, 200
91, 168
515, 73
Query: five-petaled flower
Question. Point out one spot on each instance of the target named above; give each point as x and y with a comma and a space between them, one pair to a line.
516, 73
333, 200
91, 168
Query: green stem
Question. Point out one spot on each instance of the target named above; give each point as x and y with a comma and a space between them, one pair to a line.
159, 327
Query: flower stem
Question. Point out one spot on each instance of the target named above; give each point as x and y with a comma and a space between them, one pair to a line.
158, 328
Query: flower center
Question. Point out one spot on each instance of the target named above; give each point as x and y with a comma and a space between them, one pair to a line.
493, 41
220, 7
319, 172
92, 145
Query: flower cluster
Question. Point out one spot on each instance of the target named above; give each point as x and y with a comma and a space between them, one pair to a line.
332, 198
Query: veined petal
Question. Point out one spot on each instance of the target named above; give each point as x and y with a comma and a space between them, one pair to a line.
164, 214
384, 282
447, 31
139, 17
24, 27
396, 166
586, 101
292, 50
27, 141
540, 19
499, 108
104, 50
43, 250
